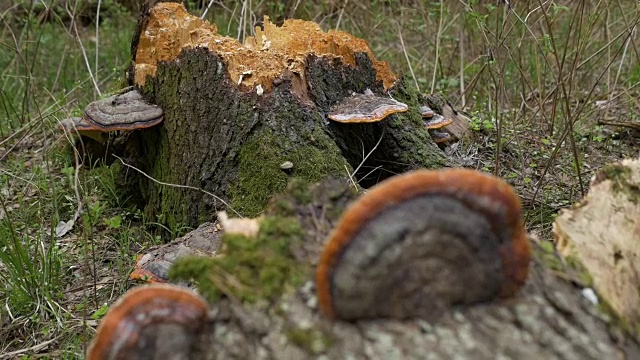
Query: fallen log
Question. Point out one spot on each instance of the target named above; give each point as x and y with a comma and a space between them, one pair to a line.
263, 303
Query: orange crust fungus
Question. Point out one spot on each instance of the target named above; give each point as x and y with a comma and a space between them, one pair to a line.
260, 60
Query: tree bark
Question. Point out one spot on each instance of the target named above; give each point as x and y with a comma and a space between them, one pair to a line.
548, 319
225, 135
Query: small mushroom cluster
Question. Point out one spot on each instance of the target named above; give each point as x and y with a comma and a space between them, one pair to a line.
411, 246
369, 108
433, 122
127, 111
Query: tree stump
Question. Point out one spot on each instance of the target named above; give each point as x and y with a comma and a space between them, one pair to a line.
234, 113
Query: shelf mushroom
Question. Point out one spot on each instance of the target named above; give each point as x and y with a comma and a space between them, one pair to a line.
163, 320
365, 108
126, 111
426, 111
83, 128
433, 122
421, 242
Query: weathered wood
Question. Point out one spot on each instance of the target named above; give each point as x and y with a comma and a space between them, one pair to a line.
233, 113
602, 233
548, 319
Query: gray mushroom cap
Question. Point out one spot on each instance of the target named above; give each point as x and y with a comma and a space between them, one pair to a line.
126, 111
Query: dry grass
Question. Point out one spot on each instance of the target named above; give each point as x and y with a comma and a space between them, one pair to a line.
536, 78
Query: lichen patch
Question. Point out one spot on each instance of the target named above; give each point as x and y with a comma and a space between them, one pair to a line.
260, 60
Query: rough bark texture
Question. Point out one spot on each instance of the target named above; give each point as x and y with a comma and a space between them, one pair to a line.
230, 140
548, 319
602, 233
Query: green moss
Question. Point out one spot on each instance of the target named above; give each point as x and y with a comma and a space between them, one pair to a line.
617, 321
549, 257
622, 182
583, 274
299, 189
314, 157
250, 268
313, 341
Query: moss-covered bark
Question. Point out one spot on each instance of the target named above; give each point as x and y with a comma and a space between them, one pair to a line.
230, 141
548, 319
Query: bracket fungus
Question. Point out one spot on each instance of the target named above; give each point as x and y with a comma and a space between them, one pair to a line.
437, 121
365, 108
126, 111
80, 126
423, 241
154, 321
426, 111
440, 137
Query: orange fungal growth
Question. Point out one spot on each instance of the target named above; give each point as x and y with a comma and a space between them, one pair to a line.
421, 241
79, 126
260, 60
147, 270
151, 321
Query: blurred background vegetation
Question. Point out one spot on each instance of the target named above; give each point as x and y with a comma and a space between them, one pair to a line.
539, 79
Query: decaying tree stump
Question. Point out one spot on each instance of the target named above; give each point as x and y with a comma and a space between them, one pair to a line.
602, 232
233, 113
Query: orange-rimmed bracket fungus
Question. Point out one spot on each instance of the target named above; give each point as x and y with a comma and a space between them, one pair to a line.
423, 241
126, 111
151, 322
426, 111
79, 126
437, 121
365, 108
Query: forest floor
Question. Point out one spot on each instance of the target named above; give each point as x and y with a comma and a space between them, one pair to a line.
538, 80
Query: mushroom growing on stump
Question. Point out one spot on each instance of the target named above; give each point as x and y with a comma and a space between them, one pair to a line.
365, 108
151, 322
126, 111
78, 125
421, 242
444, 123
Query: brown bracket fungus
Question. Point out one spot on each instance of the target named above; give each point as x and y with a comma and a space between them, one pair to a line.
78, 125
155, 321
440, 137
437, 121
426, 111
365, 108
126, 111
423, 241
